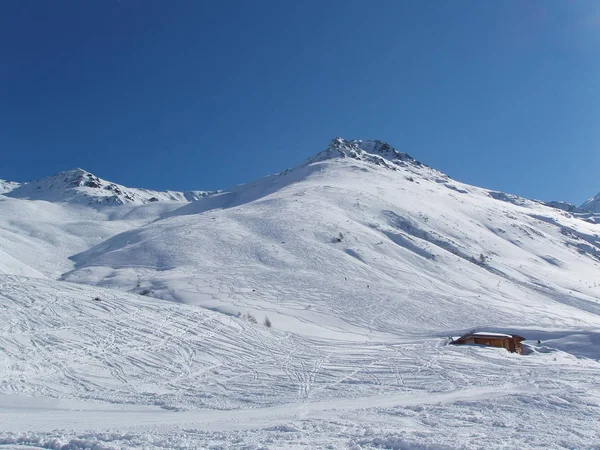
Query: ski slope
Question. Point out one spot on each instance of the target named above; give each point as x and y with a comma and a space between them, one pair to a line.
141, 373
141, 324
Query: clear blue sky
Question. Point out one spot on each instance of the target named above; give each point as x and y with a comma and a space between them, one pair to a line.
194, 94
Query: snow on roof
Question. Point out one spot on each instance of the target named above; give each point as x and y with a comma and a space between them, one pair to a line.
484, 333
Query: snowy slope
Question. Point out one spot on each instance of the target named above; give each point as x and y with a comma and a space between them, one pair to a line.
10, 265
363, 259
43, 235
135, 372
44, 222
81, 187
581, 212
7, 186
354, 240
592, 204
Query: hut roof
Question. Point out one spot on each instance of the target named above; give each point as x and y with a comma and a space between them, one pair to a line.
485, 334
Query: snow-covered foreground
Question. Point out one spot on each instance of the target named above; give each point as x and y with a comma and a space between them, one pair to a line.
363, 260
134, 372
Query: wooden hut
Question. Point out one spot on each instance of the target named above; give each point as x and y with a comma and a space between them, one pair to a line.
512, 343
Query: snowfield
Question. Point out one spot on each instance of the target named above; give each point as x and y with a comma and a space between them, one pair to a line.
136, 372
140, 323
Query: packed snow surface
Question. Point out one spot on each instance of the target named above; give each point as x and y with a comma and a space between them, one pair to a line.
309, 309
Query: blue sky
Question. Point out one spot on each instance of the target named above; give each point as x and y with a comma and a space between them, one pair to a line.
204, 95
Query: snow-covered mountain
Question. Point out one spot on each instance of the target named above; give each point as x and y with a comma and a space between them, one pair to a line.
7, 186
592, 204
78, 186
361, 261
589, 210
362, 230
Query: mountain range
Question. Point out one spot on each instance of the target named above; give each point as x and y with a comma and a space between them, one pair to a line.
314, 303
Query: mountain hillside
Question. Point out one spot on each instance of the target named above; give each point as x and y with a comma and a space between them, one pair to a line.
312, 308
7, 186
593, 204
45, 222
354, 240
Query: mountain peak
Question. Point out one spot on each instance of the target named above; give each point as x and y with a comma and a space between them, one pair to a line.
76, 170
375, 151
592, 204
76, 178
82, 187
367, 145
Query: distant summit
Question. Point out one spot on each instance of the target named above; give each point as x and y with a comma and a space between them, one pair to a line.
7, 186
592, 204
82, 187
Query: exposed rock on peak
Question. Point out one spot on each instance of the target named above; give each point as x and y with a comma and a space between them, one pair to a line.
373, 151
